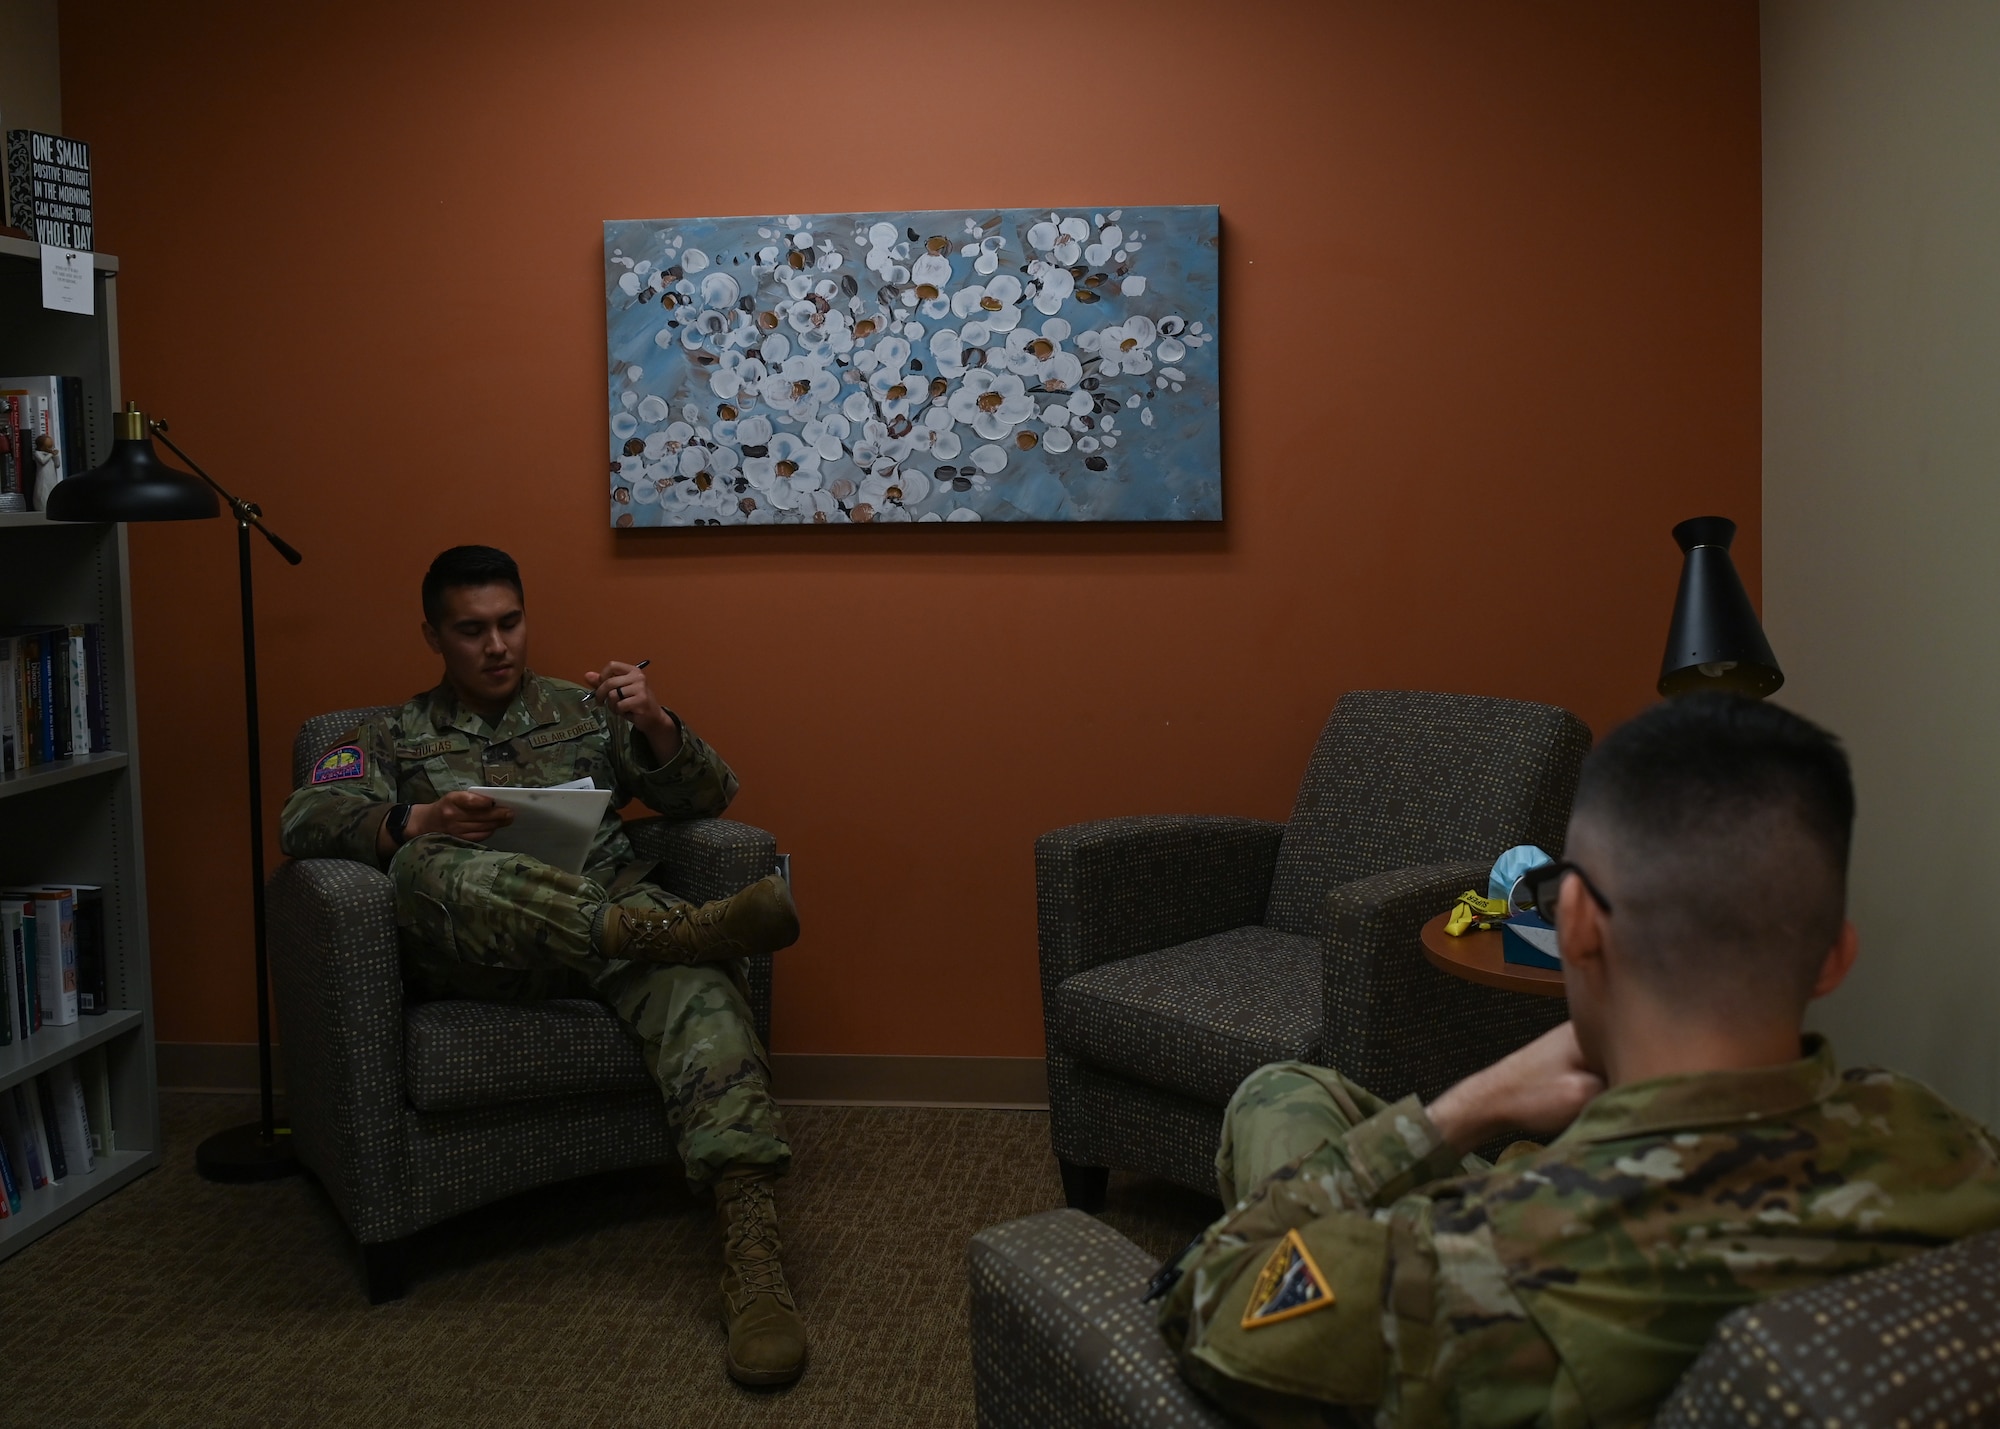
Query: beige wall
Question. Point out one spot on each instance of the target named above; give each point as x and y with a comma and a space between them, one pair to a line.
1882, 491
30, 80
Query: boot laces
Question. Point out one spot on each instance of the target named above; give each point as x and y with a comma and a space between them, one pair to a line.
753, 1237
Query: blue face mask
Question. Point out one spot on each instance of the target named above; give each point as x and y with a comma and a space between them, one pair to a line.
1507, 871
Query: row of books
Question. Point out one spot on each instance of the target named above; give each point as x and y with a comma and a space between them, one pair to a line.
54, 694
52, 958
53, 1128
42, 437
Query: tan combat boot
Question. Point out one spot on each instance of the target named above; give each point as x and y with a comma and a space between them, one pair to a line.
767, 1340
760, 919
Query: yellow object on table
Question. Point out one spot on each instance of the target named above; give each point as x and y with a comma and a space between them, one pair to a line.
1473, 914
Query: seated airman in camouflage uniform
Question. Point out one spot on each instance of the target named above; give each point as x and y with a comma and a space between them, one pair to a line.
479, 923
1708, 1155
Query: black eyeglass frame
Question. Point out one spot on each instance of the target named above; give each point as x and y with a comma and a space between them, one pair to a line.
1543, 884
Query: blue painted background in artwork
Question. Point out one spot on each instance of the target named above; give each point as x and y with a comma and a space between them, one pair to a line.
980, 365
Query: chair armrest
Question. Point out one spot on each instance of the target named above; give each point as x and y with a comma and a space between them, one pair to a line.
1117, 887
1395, 1023
338, 982
1061, 1338
704, 859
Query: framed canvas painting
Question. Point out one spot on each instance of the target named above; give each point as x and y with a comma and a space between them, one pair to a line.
953, 366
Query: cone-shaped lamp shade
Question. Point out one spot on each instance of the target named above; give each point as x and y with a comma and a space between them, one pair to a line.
133, 484
1715, 642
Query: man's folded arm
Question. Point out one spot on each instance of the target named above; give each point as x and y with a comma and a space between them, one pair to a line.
694, 784
338, 811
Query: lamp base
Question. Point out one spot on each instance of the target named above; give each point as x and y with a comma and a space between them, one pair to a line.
244, 1153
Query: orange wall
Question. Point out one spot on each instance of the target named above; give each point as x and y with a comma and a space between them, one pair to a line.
1490, 327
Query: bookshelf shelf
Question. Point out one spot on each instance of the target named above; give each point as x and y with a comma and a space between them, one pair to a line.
50, 1207
20, 1060
77, 821
20, 781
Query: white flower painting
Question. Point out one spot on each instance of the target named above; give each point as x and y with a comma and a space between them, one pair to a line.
843, 369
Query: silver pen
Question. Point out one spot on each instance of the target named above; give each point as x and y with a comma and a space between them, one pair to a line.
640, 666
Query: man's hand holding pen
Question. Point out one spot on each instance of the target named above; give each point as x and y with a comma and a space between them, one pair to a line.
626, 693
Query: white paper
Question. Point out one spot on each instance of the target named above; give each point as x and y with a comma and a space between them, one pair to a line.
66, 280
554, 825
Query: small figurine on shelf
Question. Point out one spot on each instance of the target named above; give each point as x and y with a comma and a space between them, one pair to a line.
48, 470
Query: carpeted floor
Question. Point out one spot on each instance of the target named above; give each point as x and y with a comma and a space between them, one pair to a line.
179, 1302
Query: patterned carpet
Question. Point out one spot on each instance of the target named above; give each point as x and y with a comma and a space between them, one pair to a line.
179, 1302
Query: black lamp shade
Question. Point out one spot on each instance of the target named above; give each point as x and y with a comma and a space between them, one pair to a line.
132, 485
1715, 642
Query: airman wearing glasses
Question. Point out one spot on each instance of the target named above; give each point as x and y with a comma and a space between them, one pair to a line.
1705, 1152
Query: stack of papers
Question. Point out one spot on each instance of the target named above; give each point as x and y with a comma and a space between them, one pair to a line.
556, 825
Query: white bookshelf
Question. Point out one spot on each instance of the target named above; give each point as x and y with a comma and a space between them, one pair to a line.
77, 820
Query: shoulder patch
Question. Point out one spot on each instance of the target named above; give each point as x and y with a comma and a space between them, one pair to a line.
345, 761
1289, 1285
557, 735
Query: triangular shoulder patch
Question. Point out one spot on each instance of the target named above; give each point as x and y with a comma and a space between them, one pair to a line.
1289, 1285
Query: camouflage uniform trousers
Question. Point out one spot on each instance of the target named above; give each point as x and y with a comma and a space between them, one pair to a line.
1289, 1110
504, 927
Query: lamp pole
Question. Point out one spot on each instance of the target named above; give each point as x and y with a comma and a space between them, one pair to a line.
261, 1151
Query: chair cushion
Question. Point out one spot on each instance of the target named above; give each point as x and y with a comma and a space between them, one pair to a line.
468, 1054
1200, 1017
1402, 778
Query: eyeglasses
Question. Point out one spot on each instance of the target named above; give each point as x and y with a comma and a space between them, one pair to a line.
1543, 885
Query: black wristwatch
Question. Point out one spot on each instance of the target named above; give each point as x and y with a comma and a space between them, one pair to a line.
398, 820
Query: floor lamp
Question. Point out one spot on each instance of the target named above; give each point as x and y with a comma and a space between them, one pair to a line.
1714, 641
135, 485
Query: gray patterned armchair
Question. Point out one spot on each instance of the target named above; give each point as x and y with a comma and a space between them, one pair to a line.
1062, 1339
409, 1113
1178, 955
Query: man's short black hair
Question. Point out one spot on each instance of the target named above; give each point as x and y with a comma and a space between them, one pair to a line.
467, 566
1730, 821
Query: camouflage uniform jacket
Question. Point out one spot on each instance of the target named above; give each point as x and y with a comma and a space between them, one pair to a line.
548, 735
1571, 1284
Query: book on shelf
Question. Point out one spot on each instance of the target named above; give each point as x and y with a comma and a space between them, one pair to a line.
54, 915
10, 929
10, 1183
95, 1069
13, 459
93, 995
17, 1130
71, 1116
55, 695
20, 929
52, 1137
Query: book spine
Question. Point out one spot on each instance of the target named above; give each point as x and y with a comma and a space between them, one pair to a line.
96, 1065
100, 689
10, 1185
31, 963
45, 696
45, 1107
79, 693
93, 991
10, 451
55, 932
15, 949
27, 1133
9, 930
56, 642
74, 1117
9, 725
75, 460
21, 180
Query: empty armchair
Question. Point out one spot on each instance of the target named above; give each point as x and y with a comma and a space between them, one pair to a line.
411, 1113
1180, 954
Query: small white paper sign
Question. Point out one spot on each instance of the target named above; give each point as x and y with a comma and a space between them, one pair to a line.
66, 280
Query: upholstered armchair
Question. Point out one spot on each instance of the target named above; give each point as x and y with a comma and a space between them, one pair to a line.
1062, 1339
1180, 954
409, 1113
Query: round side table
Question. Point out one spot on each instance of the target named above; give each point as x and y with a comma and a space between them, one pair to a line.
1477, 957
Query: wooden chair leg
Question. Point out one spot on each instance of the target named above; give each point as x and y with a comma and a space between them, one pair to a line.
385, 1268
1084, 1186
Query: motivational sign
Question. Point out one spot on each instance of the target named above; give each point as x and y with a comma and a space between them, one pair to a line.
48, 180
